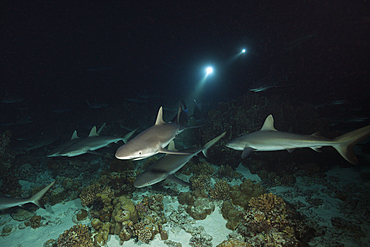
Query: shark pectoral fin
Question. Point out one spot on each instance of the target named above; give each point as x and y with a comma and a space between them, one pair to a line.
93, 152
171, 146
290, 150
317, 149
246, 152
165, 151
174, 179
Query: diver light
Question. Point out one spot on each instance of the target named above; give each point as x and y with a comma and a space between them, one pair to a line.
209, 70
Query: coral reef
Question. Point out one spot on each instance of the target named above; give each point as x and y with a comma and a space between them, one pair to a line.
93, 192
231, 214
233, 243
200, 238
8, 229
122, 217
227, 172
201, 208
269, 221
124, 210
122, 182
240, 195
78, 235
200, 181
81, 216
267, 202
146, 230
35, 221
185, 198
221, 191
117, 165
201, 167
171, 243
22, 215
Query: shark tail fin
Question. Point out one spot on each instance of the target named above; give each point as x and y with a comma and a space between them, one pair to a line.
344, 143
35, 199
211, 143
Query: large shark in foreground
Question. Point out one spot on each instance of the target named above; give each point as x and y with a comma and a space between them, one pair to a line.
269, 139
152, 140
9, 202
165, 167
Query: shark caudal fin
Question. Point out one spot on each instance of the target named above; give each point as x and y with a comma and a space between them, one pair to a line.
211, 143
35, 199
344, 143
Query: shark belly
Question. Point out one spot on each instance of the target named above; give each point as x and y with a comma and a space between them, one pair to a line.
274, 141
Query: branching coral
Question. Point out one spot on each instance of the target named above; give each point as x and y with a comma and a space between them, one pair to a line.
146, 230
94, 192
202, 167
221, 191
266, 222
88, 194
35, 221
200, 181
227, 172
267, 202
78, 235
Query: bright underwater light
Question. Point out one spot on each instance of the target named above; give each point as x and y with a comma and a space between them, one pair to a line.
209, 70
244, 51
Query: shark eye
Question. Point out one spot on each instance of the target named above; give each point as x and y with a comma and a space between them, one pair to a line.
140, 152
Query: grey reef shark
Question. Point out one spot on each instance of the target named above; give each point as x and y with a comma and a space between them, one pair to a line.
165, 167
9, 202
55, 152
152, 140
269, 139
94, 141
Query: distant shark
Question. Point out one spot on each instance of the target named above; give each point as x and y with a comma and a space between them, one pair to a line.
265, 83
269, 139
55, 152
43, 142
9, 202
9, 99
152, 140
91, 143
165, 167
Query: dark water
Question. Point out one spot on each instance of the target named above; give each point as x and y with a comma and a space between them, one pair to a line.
74, 65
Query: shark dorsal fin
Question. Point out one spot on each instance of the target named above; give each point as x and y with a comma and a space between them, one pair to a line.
159, 117
93, 132
268, 124
74, 135
171, 146
101, 128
